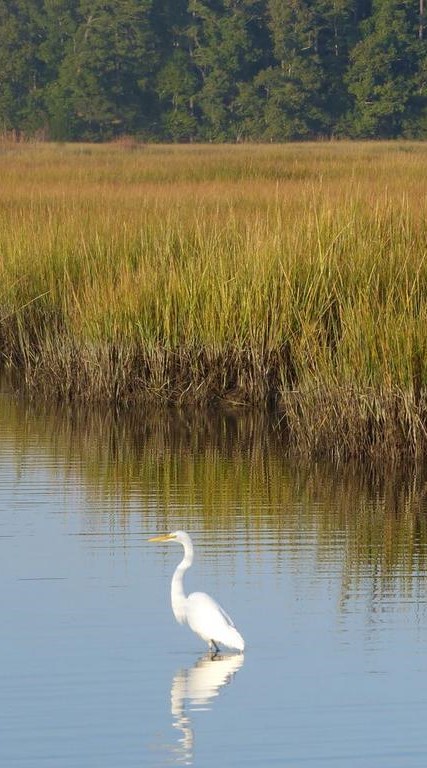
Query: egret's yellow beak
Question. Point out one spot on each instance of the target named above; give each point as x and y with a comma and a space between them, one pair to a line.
165, 537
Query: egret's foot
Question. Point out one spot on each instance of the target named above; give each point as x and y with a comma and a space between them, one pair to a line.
213, 647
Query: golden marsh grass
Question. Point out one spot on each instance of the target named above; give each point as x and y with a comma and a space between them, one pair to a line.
292, 276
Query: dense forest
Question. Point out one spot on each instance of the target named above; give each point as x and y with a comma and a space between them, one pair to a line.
213, 70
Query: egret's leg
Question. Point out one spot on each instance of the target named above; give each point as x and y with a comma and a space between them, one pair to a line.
213, 646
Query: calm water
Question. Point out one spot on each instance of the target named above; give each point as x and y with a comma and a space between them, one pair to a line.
323, 571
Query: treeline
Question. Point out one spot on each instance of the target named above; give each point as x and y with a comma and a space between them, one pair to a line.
213, 70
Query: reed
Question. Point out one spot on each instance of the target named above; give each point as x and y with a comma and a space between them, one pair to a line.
292, 276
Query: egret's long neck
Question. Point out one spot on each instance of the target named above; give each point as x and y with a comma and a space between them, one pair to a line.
177, 587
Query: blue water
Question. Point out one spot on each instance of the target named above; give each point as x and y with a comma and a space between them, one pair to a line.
95, 671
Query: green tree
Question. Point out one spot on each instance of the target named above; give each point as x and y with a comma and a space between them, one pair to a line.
303, 92
291, 88
104, 87
384, 76
336, 24
177, 85
213, 69
60, 23
177, 80
223, 38
22, 68
59, 18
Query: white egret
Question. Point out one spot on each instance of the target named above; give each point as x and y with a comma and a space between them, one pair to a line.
201, 612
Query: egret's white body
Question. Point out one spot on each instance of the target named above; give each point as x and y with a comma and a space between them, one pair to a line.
200, 611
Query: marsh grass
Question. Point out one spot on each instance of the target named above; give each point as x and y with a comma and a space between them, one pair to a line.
293, 277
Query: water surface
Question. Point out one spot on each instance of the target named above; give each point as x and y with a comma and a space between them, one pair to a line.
323, 570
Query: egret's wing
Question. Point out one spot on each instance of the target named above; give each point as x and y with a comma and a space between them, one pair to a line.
202, 602
207, 619
226, 616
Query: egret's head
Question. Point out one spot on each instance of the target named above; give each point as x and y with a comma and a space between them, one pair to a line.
180, 536
165, 537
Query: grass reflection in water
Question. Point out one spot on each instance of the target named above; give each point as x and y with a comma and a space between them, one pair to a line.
224, 472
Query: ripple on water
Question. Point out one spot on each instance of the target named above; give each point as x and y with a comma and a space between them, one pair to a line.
324, 571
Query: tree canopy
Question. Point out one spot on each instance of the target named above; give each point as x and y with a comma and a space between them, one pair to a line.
213, 70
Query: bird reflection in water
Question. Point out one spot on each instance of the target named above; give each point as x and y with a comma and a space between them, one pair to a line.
193, 689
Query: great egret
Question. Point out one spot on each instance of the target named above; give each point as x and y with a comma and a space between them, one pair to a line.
201, 612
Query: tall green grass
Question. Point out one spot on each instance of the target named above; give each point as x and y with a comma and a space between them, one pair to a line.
289, 276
